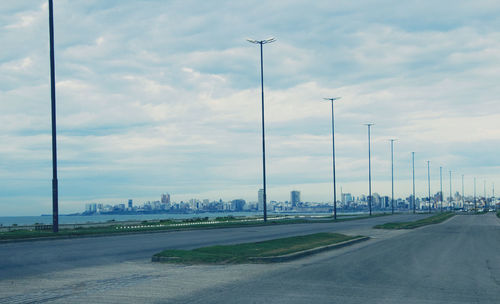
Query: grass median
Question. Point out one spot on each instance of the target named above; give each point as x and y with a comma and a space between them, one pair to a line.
169, 225
243, 253
435, 219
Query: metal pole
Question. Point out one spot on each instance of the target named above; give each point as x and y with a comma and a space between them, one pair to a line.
441, 186
261, 43
392, 173
333, 156
485, 200
451, 195
413, 165
369, 171
475, 204
463, 198
263, 133
55, 196
429, 184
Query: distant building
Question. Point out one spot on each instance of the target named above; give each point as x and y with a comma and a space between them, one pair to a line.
295, 198
237, 204
165, 199
130, 204
260, 205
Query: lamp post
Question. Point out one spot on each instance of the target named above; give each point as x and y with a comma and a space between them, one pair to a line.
463, 198
429, 183
261, 43
333, 160
441, 186
475, 204
451, 195
392, 173
369, 170
413, 171
55, 195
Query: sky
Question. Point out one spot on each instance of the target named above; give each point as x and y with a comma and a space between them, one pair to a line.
164, 97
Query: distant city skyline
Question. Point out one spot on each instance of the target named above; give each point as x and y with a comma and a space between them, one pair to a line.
166, 96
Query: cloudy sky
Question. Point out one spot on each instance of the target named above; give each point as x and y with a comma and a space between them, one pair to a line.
164, 96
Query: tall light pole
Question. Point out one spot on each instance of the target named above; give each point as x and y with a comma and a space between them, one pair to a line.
261, 43
451, 195
333, 159
413, 166
475, 204
441, 186
392, 172
485, 200
463, 198
429, 183
55, 195
369, 169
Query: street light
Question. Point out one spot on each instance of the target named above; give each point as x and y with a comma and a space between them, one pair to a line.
333, 158
392, 172
429, 183
463, 198
413, 166
369, 170
475, 204
261, 43
55, 196
441, 186
451, 195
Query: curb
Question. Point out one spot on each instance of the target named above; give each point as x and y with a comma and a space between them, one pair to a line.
286, 257
300, 254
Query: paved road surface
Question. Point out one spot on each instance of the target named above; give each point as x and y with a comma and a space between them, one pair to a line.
453, 262
456, 262
27, 258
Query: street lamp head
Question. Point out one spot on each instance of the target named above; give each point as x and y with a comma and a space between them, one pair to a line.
393, 139
268, 40
369, 124
332, 99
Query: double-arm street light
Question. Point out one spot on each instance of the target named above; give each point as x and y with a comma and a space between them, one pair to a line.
261, 43
55, 196
369, 169
333, 158
441, 186
429, 183
413, 173
392, 172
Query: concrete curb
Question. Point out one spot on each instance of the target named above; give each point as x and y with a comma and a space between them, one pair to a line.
300, 254
283, 258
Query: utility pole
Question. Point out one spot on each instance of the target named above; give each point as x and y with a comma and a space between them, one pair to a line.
463, 198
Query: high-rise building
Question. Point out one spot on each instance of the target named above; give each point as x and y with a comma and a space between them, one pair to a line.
295, 198
165, 199
130, 204
260, 206
237, 204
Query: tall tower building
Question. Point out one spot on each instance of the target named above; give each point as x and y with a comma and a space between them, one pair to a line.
130, 203
295, 197
260, 206
165, 199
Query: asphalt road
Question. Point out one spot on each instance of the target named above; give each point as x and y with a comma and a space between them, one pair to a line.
21, 259
453, 262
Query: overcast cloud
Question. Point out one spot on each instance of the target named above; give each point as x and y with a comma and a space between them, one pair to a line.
164, 96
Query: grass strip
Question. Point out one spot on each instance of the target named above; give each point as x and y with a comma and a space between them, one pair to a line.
240, 253
498, 213
435, 219
166, 226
